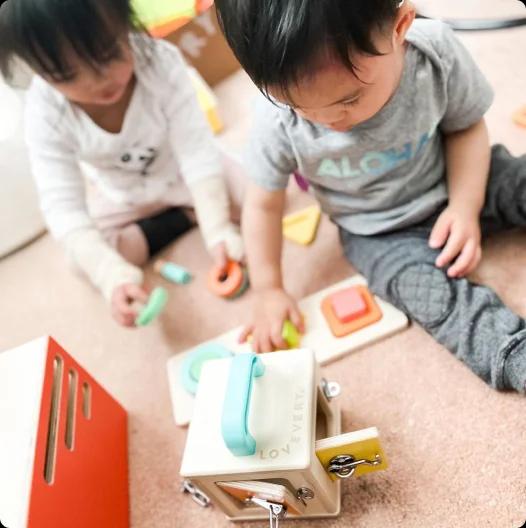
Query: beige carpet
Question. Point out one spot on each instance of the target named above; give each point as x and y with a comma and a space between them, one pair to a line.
457, 449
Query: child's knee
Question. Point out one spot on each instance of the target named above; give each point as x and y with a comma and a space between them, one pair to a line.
424, 292
130, 242
515, 369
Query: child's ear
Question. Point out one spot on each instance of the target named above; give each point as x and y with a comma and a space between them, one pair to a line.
404, 20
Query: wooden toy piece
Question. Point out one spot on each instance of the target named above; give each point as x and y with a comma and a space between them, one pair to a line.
291, 335
301, 227
163, 17
247, 491
64, 454
282, 419
172, 272
193, 364
157, 11
318, 337
519, 117
348, 304
301, 181
154, 307
351, 454
230, 284
341, 329
207, 101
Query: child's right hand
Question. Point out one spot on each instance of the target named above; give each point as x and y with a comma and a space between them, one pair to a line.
122, 303
272, 309
220, 256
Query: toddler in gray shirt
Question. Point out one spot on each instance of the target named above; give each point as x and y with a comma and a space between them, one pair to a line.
384, 116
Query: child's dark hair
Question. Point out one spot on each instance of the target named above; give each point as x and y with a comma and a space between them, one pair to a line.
41, 31
277, 41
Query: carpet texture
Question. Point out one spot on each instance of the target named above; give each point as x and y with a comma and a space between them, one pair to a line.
457, 448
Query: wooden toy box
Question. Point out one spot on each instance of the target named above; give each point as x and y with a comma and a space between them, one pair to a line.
63, 443
289, 410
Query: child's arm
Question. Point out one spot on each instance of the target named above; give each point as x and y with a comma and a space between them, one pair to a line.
118, 280
60, 186
467, 156
467, 162
212, 207
199, 158
262, 233
61, 191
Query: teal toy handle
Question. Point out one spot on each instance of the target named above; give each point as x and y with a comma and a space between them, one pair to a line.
234, 423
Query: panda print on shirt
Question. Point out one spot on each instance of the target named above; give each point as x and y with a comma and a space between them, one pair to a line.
138, 160
138, 172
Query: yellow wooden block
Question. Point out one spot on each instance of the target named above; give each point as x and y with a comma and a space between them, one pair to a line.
361, 445
291, 335
207, 101
301, 227
212, 115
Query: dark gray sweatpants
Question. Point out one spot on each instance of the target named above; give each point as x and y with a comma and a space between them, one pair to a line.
468, 319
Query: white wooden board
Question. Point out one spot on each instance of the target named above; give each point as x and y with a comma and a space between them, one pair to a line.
318, 338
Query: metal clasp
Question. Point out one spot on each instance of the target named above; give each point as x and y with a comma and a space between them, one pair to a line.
275, 511
331, 389
304, 494
197, 495
344, 466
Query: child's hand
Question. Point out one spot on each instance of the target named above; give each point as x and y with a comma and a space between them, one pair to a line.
273, 308
458, 232
122, 301
231, 248
220, 256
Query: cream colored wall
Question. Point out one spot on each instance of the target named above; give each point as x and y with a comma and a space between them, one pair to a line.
20, 218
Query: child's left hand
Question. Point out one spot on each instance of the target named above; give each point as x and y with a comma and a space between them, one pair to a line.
457, 231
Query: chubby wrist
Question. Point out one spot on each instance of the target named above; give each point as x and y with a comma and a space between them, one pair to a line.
472, 207
267, 284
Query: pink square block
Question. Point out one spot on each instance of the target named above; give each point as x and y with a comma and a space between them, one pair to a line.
348, 305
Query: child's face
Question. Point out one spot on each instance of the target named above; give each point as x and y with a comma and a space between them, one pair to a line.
338, 99
102, 87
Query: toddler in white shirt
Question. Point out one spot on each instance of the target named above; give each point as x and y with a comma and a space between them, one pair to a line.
121, 153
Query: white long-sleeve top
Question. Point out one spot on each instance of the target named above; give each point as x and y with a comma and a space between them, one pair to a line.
164, 147
165, 152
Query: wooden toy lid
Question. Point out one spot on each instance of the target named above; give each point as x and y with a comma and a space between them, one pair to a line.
281, 418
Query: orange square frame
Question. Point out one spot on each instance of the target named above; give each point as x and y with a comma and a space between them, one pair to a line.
339, 329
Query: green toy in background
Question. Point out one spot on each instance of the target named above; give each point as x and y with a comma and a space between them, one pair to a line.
162, 17
154, 307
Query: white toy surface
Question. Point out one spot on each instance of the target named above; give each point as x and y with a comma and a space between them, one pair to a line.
318, 338
284, 411
21, 379
277, 396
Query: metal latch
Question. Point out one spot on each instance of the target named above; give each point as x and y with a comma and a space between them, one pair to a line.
331, 389
275, 511
344, 466
303, 494
197, 495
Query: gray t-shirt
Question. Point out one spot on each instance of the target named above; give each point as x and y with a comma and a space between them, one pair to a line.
389, 172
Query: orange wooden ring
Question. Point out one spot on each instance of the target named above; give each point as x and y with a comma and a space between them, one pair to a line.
226, 285
339, 329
